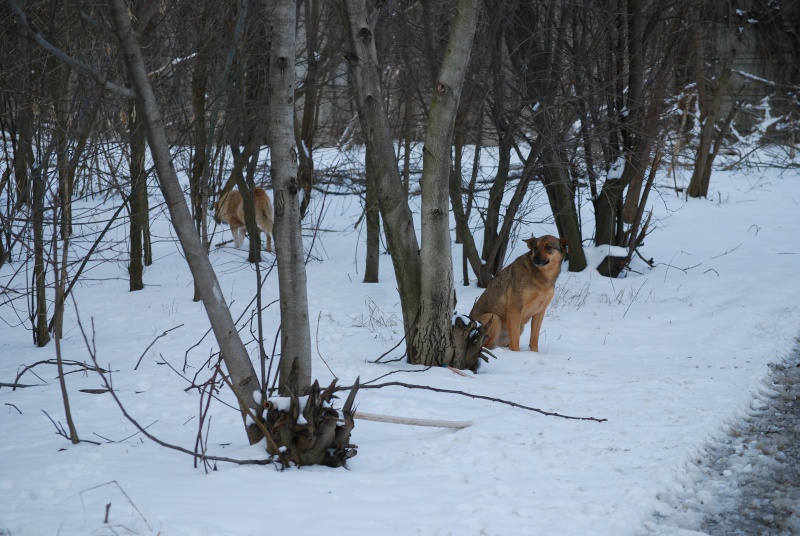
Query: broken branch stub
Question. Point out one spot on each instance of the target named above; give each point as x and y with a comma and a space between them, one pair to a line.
468, 337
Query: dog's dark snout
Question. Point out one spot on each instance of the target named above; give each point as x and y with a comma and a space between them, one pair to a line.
539, 259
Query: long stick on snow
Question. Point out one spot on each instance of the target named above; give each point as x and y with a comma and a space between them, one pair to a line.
411, 421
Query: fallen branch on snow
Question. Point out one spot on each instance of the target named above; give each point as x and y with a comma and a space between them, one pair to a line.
458, 425
477, 397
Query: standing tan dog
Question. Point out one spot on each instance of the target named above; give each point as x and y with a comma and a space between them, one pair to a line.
521, 292
229, 209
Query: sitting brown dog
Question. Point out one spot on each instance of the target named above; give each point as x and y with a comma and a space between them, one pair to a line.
521, 292
229, 209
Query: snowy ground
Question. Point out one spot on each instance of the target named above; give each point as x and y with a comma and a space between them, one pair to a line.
670, 356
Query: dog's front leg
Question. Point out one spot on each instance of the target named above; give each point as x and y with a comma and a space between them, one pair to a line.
536, 326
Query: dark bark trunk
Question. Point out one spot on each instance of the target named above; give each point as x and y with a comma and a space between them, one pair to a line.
710, 96
495, 204
561, 193
242, 160
137, 200
40, 334
311, 11
23, 154
373, 224
254, 254
198, 188
470, 250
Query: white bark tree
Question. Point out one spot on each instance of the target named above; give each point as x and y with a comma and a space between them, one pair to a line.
295, 328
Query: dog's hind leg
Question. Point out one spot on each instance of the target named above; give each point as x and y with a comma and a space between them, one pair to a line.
238, 235
269, 241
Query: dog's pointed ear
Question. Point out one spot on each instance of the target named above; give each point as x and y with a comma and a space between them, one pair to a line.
564, 245
530, 241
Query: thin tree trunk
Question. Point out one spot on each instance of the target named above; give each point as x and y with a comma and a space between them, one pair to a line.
4, 232
40, 335
311, 12
295, 329
243, 375
138, 194
60, 269
470, 253
254, 254
561, 194
710, 107
242, 160
198, 175
495, 203
23, 154
638, 162
373, 219
408, 130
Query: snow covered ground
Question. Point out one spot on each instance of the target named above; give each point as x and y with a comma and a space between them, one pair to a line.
670, 356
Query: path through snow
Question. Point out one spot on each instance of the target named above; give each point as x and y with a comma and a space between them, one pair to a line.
749, 484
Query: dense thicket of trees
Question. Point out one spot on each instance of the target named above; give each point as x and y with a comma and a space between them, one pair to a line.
591, 97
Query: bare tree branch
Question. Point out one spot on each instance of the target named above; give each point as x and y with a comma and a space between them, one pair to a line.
477, 397
66, 58
90, 347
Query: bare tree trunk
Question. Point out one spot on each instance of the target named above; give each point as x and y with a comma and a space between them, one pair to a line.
138, 212
243, 375
311, 12
198, 174
470, 254
710, 104
408, 130
295, 329
40, 335
433, 343
60, 269
254, 254
242, 160
561, 193
4, 231
23, 154
373, 219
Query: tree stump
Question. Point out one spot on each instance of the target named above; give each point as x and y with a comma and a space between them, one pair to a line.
469, 336
307, 430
